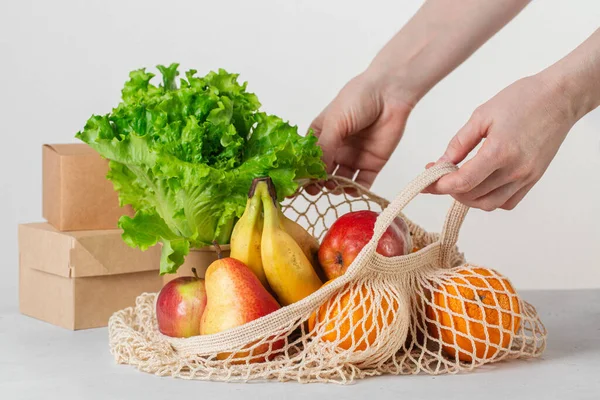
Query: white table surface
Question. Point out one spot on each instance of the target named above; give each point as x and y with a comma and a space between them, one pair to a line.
38, 360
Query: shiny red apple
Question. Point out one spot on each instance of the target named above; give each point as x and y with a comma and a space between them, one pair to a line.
351, 232
180, 305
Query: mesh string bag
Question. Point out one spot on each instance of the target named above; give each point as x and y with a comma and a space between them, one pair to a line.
426, 312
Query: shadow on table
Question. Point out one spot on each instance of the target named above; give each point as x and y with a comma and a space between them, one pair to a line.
572, 319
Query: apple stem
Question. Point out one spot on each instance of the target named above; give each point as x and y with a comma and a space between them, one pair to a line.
195, 273
218, 249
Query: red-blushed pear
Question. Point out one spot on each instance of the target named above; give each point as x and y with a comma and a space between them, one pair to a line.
180, 305
351, 232
236, 297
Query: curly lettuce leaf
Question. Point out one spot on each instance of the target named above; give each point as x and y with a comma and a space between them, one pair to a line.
184, 156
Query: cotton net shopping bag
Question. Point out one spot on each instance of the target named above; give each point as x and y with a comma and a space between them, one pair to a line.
426, 312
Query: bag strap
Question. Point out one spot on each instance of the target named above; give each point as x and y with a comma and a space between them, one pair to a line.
449, 235
454, 218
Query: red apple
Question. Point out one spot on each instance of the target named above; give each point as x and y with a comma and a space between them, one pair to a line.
351, 232
180, 306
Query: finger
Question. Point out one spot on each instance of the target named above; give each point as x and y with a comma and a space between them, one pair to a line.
345, 172
329, 183
358, 152
359, 159
330, 141
342, 120
495, 198
317, 124
498, 178
511, 203
469, 175
465, 140
365, 178
428, 188
313, 189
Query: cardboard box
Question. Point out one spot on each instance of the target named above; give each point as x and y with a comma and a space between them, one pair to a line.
77, 280
199, 259
76, 193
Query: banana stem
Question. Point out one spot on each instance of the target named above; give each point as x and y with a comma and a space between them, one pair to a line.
271, 188
218, 249
270, 209
255, 181
254, 208
272, 192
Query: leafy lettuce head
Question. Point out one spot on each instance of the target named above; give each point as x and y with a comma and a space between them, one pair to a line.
184, 155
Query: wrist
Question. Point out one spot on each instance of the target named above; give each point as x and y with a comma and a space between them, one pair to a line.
573, 91
394, 81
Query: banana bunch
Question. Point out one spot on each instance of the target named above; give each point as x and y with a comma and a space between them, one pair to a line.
280, 252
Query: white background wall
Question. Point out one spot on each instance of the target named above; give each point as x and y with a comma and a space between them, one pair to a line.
61, 61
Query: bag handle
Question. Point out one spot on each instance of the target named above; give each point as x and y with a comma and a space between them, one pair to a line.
454, 218
449, 235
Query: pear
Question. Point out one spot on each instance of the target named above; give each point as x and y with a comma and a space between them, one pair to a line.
235, 297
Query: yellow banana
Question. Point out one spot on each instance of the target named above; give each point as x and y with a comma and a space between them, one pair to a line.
307, 242
246, 236
289, 272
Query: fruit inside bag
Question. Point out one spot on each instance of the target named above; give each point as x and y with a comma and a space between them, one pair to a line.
422, 312
467, 316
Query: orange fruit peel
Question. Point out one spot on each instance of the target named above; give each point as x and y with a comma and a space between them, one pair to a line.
475, 314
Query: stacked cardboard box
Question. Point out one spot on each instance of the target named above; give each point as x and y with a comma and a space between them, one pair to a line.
75, 270
198, 260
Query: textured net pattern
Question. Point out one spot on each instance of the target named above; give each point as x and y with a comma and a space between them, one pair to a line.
426, 312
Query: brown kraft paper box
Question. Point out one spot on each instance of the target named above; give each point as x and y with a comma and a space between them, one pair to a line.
77, 280
76, 193
199, 259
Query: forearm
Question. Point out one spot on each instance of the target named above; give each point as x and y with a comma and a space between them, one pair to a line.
440, 36
576, 78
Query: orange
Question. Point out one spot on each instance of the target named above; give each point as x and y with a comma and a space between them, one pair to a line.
469, 317
344, 318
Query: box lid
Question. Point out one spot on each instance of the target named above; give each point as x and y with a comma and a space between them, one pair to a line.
78, 254
71, 149
76, 195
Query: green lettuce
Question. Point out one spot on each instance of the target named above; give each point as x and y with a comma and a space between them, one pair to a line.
184, 154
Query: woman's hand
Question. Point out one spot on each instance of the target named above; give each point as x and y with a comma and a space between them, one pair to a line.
360, 129
362, 126
523, 127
